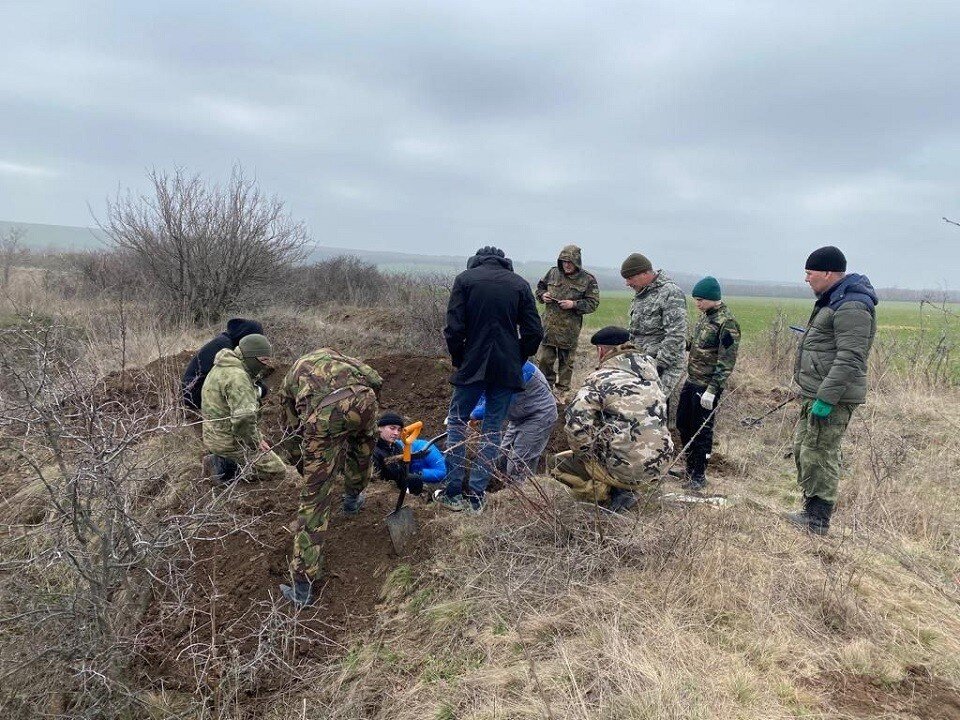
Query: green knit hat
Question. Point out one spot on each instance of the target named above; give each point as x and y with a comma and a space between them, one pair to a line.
634, 265
255, 346
707, 289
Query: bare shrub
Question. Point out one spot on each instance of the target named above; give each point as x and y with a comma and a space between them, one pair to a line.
204, 246
345, 279
11, 251
422, 302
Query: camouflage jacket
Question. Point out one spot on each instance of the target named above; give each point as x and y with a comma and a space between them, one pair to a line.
314, 377
230, 405
713, 348
562, 327
619, 417
658, 323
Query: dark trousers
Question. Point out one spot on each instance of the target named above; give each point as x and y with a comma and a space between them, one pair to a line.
691, 417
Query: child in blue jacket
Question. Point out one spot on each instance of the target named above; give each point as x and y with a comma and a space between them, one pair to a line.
431, 468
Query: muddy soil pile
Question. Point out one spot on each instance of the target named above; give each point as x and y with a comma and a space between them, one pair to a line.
230, 586
154, 386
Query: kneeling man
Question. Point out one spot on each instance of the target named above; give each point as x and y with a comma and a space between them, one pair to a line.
616, 426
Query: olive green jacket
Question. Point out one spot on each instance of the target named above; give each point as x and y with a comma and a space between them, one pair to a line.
832, 358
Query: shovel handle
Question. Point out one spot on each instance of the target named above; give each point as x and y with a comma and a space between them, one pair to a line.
408, 435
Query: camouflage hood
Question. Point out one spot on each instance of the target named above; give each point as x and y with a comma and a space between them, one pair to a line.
230, 406
571, 253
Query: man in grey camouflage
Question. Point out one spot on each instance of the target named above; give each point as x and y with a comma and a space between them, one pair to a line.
831, 370
568, 292
616, 426
713, 348
658, 318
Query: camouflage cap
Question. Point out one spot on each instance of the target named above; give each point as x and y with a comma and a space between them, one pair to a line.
255, 346
634, 265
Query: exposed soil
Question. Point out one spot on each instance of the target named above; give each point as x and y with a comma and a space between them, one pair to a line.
919, 695
232, 583
152, 387
235, 579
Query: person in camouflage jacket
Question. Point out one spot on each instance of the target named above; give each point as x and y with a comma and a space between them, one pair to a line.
658, 318
568, 292
713, 346
616, 426
230, 406
330, 408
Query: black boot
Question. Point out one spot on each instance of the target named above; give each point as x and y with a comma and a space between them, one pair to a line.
820, 512
802, 518
696, 474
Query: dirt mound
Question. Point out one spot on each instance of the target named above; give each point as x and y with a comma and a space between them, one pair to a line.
919, 694
230, 585
153, 387
232, 582
417, 387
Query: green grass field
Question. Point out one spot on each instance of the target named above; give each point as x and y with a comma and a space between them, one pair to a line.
910, 328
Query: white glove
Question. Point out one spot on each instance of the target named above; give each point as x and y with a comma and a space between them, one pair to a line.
706, 400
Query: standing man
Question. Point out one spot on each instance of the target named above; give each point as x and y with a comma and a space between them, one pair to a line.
568, 292
831, 370
492, 328
616, 426
230, 404
658, 318
713, 353
330, 404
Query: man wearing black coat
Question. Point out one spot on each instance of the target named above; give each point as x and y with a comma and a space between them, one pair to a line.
492, 328
201, 363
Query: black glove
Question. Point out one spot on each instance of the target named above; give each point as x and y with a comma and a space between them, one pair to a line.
661, 369
415, 483
262, 389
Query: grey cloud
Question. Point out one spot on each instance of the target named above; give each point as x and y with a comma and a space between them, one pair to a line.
728, 138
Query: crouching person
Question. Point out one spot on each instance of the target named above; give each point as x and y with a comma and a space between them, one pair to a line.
616, 426
230, 404
330, 406
427, 464
531, 415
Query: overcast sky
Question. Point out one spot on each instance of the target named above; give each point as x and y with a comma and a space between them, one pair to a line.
728, 138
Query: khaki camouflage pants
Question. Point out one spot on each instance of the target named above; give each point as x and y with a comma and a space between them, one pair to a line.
547, 357
339, 441
587, 479
816, 450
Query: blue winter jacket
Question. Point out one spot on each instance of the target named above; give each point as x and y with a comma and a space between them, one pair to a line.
433, 466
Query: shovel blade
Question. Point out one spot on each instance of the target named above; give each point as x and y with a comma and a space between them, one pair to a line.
402, 526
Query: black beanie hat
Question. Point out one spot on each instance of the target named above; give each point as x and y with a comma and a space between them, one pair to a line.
490, 250
827, 259
610, 335
390, 418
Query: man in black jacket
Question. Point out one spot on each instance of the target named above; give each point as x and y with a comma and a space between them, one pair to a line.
201, 363
492, 328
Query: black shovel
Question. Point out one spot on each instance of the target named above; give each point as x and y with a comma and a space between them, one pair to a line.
401, 523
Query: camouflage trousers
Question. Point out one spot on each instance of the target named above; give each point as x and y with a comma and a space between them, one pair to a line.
338, 441
816, 449
589, 480
548, 356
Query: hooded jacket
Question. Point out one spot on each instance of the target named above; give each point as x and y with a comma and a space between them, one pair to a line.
230, 405
562, 327
619, 417
832, 357
492, 323
535, 401
200, 364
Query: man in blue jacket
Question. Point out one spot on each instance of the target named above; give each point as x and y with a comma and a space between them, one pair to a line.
531, 415
431, 468
492, 328
831, 370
